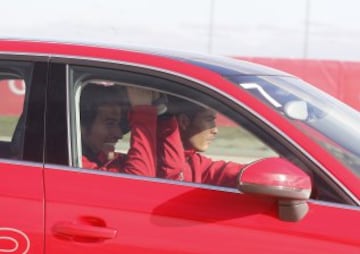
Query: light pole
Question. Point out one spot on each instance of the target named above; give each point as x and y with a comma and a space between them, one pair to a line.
211, 26
306, 29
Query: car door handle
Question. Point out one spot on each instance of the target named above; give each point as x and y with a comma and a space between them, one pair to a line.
80, 231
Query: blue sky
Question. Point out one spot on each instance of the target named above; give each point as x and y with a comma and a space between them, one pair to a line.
265, 28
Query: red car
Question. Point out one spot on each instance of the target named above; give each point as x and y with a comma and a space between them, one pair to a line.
298, 193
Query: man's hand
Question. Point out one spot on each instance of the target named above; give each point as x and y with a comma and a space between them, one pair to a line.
139, 96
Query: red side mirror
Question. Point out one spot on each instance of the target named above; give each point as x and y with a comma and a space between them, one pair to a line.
279, 178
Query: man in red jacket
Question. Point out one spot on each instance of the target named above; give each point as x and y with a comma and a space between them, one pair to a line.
181, 141
103, 112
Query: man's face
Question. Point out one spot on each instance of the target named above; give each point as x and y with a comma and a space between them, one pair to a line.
105, 130
200, 131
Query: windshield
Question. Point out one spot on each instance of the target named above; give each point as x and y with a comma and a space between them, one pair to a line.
331, 123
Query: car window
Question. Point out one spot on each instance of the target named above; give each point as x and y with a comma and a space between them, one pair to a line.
102, 131
13, 87
209, 146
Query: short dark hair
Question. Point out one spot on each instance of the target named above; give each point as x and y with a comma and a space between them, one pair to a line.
177, 106
95, 95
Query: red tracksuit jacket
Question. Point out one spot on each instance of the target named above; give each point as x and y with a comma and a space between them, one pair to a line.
177, 164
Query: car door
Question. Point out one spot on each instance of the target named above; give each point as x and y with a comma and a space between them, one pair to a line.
22, 86
96, 211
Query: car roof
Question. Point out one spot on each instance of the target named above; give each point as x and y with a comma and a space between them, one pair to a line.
225, 66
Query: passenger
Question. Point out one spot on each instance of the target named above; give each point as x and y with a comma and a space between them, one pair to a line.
104, 113
182, 138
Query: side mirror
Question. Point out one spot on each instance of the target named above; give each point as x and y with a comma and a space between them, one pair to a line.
297, 110
278, 178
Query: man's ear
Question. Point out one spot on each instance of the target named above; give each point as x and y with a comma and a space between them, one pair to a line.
183, 121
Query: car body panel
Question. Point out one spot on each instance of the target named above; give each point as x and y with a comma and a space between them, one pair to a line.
159, 217
82, 211
199, 74
21, 189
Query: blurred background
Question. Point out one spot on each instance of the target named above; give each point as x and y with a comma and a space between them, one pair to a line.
317, 40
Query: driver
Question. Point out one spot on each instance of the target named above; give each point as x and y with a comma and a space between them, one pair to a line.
183, 136
103, 113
